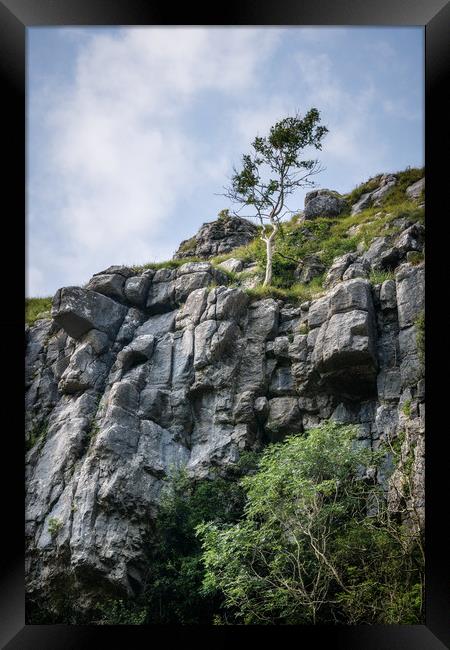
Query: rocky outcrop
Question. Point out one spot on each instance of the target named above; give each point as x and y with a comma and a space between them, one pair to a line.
324, 203
137, 374
218, 237
415, 190
386, 183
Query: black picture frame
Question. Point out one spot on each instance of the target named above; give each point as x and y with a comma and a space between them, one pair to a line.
15, 17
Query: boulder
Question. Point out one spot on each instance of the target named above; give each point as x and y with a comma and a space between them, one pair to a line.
338, 268
323, 203
310, 267
284, 417
78, 310
415, 190
233, 265
345, 356
136, 288
382, 254
108, 284
218, 237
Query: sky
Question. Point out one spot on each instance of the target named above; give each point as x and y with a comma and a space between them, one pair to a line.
132, 133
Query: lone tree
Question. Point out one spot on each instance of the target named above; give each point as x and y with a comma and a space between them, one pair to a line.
273, 171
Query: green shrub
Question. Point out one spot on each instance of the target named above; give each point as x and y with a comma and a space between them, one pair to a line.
406, 408
175, 569
54, 526
415, 257
420, 336
118, 612
307, 550
188, 245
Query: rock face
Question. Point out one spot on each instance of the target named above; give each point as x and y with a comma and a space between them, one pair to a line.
218, 237
138, 374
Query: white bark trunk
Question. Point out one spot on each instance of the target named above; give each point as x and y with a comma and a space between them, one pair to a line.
269, 256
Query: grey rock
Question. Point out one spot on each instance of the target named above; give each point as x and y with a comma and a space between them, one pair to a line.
194, 267
138, 351
261, 408
364, 202
359, 269
284, 417
136, 289
193, 380
411, 239
78, 310
344, 354
338, 268
386, 183
310, 268
351, 295
243, 409
282, 382
281, 347
125, 271
389, 384
382, 254
410, 282
411, 368
230, 304
233, 265
323, 203
189, 282
388, 295
218, 237
415, 190
109, 285
161, 297
193, 309
158, 325
318, 312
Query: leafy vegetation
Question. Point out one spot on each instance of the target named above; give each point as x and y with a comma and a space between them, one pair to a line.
420, 335
316, 543
173, 593
36, 308
188, 245
406, 408
415, 257
54, 526
378, 277
296, 534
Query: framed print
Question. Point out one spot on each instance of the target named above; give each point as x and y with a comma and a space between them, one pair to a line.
225, 323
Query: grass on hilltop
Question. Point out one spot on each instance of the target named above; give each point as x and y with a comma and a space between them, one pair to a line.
36, 308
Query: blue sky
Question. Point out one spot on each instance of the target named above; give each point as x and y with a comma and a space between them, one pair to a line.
133, 132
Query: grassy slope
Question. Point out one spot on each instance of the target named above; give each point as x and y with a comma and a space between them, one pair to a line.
37, 308
329, 238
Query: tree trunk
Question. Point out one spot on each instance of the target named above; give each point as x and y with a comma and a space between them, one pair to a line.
269, 252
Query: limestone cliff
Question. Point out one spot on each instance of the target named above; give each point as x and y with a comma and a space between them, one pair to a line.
139, 372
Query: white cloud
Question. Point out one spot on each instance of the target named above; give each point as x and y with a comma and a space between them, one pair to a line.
119, 153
